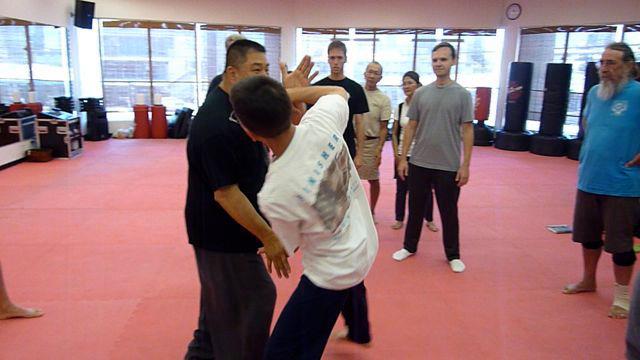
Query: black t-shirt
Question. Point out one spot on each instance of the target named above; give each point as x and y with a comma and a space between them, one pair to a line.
220, 154
357, 105
214, 83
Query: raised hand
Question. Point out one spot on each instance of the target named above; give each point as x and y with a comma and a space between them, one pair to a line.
301, 76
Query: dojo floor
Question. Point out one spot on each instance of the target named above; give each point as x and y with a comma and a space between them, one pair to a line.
99, 243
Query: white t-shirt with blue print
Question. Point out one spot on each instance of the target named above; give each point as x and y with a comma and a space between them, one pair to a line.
313, 198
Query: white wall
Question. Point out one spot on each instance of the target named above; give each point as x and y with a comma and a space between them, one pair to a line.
53, 12
575, 12
398, 13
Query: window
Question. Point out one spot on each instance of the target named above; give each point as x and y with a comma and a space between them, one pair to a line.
33, 57
174, 60
314, 42
148, 58
576, 45
212, 51
401, 50
479, 54
632, 38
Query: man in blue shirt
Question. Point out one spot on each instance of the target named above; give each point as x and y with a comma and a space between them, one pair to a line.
609, 175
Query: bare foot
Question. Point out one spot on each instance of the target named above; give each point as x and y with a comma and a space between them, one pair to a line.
432, 226
617, 312
579, 288
397, 225
13, 311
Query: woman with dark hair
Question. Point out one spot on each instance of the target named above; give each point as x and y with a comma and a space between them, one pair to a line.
410, 84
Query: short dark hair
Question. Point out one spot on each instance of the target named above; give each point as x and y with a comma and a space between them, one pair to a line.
627, 56
262, 106
237, 52
445, 44
337, 44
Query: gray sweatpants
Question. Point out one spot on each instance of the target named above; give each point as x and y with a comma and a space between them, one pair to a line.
237, 298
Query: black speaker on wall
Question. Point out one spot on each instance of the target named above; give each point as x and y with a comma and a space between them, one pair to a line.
84, 14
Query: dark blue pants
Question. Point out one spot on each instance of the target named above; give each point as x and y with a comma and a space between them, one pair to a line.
356, 314
304, 326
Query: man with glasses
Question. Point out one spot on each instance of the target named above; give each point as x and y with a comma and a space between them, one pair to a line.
608, 194
375, 131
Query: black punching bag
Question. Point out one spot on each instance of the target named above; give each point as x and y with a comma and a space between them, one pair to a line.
513, 136
591, 79
549, 140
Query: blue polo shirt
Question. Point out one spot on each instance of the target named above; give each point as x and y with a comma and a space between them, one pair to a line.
612, 139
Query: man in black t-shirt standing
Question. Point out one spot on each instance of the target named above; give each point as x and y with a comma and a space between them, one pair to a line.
355, 310
226, 172
337, 53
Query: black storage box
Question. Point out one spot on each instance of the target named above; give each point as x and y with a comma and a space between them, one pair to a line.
60, 132
17, 126
97, 124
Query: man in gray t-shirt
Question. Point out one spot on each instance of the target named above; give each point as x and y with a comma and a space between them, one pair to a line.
441, 116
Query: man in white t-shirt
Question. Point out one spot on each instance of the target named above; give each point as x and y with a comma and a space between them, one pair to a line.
314, 200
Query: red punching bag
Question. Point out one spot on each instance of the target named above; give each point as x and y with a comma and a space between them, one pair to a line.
159, 127
17, 106
482, 135
483, 103
35, 107
142, 128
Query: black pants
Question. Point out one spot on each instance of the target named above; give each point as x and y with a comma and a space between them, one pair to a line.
401, 198
356, 314
305, 323
401, 201
421, 180
237, 298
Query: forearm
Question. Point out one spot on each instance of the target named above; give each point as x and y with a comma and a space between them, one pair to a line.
407, 139
236, 204
359, 127
467, 143
382, 135
311, 94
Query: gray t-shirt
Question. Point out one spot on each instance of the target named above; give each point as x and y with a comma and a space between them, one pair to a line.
440, 111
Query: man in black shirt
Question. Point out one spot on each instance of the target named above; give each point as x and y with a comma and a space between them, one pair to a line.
355, 309
226, 172
337, 53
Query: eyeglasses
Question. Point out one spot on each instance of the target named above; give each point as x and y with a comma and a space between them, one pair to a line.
369, 72
607, 63
234, 118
